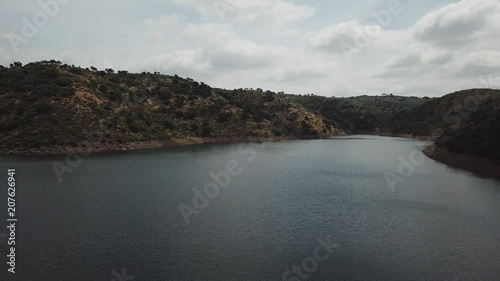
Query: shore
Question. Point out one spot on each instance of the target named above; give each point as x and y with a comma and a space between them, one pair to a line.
478, 165
88, 148
85, 147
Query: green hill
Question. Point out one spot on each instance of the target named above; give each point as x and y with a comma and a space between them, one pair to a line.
363, 114
49, 107
48, 104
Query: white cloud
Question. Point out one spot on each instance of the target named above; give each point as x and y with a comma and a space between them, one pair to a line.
187, 62
278, 44
275, 10
455, 24
336, 37
165, 25
4, 55
478, 64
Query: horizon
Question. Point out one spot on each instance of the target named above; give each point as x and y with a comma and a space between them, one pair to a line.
257, 88
325, 48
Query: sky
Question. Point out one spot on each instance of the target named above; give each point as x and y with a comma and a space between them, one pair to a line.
323, 47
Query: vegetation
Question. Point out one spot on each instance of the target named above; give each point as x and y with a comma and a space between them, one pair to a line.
46, 104
472, 123
363, 114
49, 104
462, 122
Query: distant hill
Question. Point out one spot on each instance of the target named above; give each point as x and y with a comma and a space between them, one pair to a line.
363, 114
462, 122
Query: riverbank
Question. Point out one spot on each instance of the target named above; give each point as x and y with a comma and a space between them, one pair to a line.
478, 165
97, 147
406, 136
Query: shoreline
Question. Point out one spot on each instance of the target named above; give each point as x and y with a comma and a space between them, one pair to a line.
475, 164
86, 148
478, 165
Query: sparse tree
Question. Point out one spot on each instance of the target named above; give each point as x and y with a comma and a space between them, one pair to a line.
16, 64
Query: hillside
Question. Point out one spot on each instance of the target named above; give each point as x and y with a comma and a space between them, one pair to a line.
363, 114
48, 106
464, 122
471, 122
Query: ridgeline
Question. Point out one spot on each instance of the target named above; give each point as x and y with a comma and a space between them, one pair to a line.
49, 107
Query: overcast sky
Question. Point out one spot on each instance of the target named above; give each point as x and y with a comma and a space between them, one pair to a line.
326, 47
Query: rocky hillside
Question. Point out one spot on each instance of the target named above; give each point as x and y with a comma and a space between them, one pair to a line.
49, 107
45, 105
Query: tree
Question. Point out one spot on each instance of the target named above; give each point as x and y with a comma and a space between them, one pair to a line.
16, 64
94, 69
109, 70
56, 62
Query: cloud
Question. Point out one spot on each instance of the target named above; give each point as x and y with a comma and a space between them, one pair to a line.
279, 45
450, 46
163, 26
436, 56
4, 55
406, 60
455, 24
187, 62
283, 12
249, 11
418, 57
479, 63
336, 38
245, 54
220, 47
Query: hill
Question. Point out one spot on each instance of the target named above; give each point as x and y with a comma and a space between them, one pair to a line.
470, 123
363, 114
50, 107
464, 122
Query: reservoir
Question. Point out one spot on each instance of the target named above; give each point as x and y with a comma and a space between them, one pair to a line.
336, 209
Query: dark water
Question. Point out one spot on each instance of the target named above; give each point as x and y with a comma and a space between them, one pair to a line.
117, 211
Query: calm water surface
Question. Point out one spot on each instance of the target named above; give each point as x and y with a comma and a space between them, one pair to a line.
121, 210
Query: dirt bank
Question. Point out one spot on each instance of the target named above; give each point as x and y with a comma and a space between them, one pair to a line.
87, 148
478, 165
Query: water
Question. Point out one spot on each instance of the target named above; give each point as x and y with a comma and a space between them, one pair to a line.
121, 211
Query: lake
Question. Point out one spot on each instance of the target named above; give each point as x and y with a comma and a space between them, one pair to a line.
337, 209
